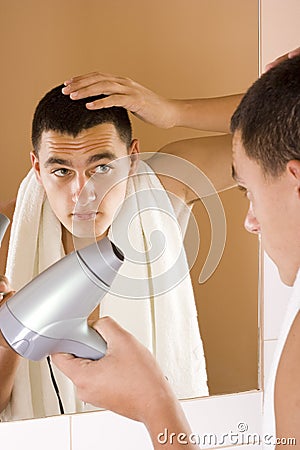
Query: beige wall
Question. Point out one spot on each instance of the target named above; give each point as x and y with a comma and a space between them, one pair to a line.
179, 48
279, 28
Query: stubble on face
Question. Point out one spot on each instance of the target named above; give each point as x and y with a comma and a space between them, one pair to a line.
66, 164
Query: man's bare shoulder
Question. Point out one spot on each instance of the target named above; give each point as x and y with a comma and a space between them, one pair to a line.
181, 164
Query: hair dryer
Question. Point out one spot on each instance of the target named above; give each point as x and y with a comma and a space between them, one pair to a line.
49, 314
4, 222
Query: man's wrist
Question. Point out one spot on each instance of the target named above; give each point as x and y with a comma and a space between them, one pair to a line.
175, 112
166, 422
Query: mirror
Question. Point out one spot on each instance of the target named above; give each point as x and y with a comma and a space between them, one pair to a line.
180, 49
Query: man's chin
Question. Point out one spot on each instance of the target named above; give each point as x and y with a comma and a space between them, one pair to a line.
88, 231
287, 277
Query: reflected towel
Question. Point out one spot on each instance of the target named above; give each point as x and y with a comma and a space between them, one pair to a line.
143, 297
35, 244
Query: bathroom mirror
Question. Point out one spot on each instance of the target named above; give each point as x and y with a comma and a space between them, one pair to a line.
180, 49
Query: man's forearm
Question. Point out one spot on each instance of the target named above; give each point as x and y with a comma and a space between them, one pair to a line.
9, 361
167, 424
209, 114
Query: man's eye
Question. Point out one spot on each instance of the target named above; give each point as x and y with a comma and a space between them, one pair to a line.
61, 172
103, 168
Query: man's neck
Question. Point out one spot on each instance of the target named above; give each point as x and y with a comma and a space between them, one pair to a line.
71, 243
67, 240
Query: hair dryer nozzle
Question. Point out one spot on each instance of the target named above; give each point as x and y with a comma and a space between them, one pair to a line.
50, 313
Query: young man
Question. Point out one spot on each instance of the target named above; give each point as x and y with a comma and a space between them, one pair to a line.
85, 168
266, 165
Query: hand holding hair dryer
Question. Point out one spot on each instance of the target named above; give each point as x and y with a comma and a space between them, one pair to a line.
49, 314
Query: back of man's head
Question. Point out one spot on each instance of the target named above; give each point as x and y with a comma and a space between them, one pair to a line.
268, 118
57, 112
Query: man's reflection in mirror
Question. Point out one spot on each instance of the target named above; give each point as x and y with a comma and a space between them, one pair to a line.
86, 179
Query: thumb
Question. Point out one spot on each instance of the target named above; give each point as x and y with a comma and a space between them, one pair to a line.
68, 364
109, 329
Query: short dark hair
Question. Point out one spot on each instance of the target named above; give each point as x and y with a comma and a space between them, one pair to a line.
268, 118
57, 112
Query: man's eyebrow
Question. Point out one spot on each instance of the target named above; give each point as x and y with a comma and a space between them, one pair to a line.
52, 160
105, 155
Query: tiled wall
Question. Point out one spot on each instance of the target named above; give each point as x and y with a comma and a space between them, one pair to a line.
215, 418
224, 420
39, 434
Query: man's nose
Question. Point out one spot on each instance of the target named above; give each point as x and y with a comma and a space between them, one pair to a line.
83, 191
251, 223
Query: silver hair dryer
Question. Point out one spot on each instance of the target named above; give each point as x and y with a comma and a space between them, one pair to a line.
4, 222
49, 314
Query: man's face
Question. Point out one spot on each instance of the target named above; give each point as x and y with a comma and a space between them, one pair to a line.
273, 210
85, 177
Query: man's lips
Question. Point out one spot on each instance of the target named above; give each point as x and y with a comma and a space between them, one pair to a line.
89, 215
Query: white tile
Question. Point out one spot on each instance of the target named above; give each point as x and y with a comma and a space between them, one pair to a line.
225, 420
109, 431
52, 433
214, 416
269, 349
276, 296
244, 447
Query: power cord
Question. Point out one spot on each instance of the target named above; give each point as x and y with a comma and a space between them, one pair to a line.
55, 385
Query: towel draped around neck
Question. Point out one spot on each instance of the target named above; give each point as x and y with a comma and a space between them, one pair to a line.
151, 296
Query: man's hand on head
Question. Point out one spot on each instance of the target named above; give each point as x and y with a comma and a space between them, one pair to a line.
290, 54
125, 93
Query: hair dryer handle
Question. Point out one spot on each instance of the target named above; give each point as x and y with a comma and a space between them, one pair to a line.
87, 344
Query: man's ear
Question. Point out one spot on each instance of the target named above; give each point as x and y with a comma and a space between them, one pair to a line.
293, 169
36, 166
133, 152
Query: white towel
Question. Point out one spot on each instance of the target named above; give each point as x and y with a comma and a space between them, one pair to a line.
143, 297
161, 309
35, 244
